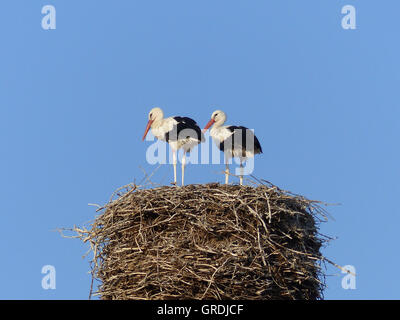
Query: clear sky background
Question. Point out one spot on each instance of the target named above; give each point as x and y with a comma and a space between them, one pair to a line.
324, 103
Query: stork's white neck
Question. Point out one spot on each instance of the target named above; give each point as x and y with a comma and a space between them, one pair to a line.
157, 123
219, 132
219, 121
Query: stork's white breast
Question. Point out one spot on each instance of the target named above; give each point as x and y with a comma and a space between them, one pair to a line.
165, 126
220, 134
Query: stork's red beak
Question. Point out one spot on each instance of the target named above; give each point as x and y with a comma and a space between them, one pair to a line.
209, 124
147, 128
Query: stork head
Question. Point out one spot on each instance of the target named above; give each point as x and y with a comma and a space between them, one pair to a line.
218, 118
155, 114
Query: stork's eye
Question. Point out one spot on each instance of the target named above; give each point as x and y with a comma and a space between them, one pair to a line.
151, 115
215, 115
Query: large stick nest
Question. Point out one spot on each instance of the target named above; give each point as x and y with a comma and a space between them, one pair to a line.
207, 242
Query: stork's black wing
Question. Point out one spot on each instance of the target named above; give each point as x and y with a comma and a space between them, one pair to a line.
243, 139
183, 129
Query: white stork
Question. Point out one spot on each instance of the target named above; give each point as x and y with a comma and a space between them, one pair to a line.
234, 141
179, 132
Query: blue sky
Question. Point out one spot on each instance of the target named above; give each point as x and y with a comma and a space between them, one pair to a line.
322, 100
